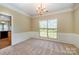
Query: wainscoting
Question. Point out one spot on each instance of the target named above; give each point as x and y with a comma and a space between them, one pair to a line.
19, 37
70, 38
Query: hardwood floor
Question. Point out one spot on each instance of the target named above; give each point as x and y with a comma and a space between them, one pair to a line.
4, 43
40, 47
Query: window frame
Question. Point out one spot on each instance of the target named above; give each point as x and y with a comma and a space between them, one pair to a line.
48, 29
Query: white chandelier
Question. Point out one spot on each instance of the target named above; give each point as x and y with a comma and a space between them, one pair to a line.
41, 9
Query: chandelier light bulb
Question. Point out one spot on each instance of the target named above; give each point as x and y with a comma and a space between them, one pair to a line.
41, 8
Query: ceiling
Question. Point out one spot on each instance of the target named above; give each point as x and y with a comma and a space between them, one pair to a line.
4, 17
30, 8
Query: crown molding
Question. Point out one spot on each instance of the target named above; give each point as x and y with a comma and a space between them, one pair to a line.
61, 11
57, 12
15, 9
52, 13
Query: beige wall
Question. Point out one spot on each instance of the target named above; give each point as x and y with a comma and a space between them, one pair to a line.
76, 15
21, 23
68, 22
65, 21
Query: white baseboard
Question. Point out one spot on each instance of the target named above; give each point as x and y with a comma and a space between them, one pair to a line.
70, 38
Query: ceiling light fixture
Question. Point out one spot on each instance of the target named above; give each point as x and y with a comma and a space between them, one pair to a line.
41, 8
2, 22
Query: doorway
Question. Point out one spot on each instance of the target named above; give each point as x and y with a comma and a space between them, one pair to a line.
5, 30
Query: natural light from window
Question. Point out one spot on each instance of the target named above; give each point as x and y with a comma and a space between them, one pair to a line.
48, 28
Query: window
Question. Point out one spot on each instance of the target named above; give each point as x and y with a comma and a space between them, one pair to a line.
43, 28
4, 22
48, 28
0, 27
3, 27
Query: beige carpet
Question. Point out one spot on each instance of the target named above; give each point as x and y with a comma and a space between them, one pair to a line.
40, 47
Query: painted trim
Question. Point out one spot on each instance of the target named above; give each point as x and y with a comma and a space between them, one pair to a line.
61, 11
70, 38
57, 12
